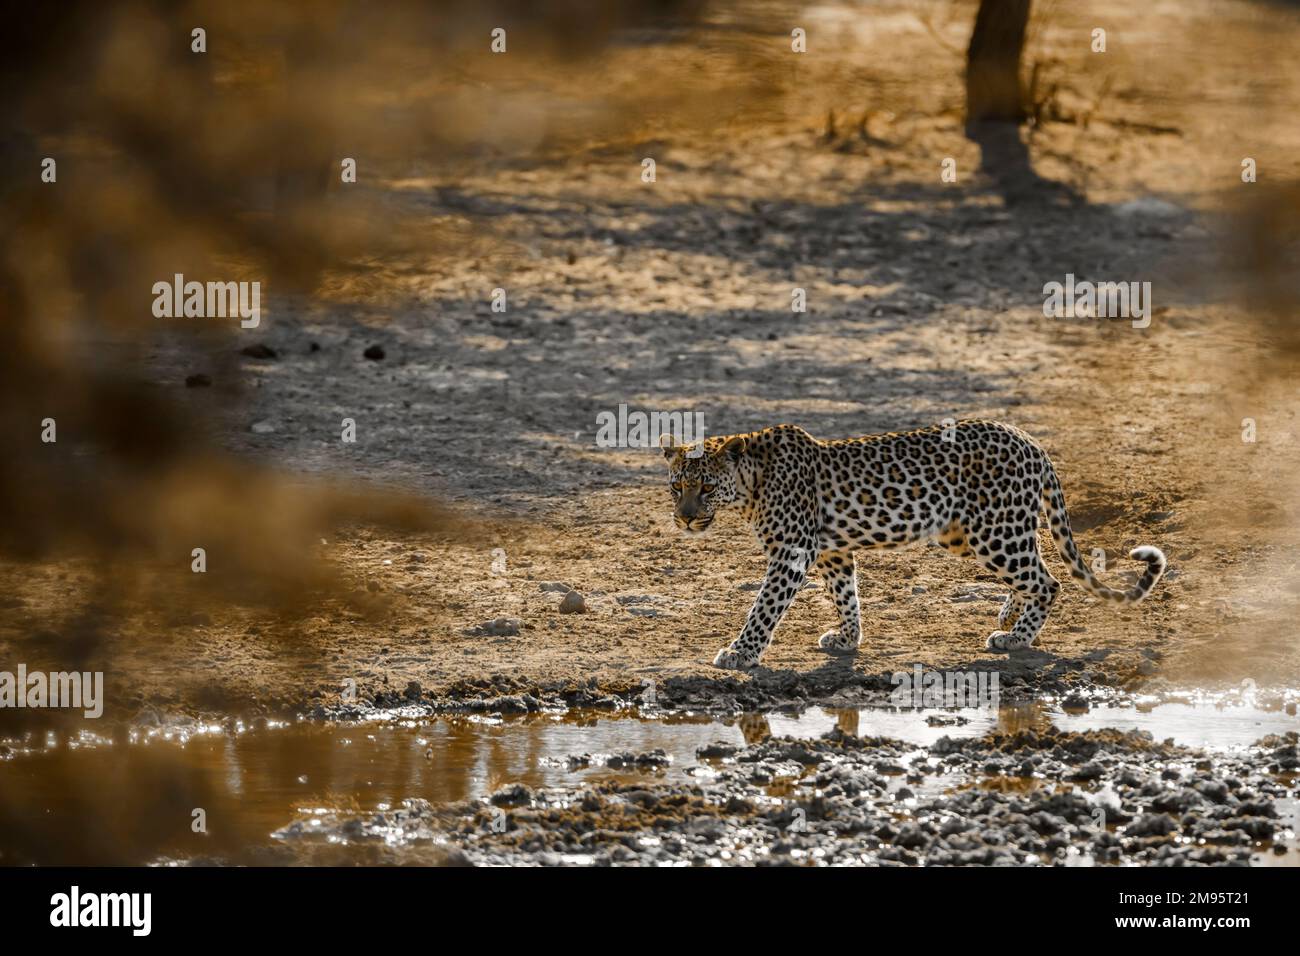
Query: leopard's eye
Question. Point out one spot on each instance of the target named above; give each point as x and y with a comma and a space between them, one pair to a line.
707, 488
677, 486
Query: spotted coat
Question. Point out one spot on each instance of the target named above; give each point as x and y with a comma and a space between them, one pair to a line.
975, 488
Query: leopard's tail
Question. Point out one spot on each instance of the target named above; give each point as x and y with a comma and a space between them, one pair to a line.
1054, 502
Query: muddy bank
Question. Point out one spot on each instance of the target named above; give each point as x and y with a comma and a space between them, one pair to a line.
761, 690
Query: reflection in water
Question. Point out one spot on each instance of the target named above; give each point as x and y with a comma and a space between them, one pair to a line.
754, 727
89, 800
133, 802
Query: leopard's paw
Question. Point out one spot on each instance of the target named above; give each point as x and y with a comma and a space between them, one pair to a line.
998, 641
731, 660
835, 641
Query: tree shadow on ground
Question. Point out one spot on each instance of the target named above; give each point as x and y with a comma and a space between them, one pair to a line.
891, 271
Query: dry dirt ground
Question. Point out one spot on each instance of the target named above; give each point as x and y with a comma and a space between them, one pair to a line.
924, 303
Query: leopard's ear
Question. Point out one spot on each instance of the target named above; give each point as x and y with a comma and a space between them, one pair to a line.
669, 446
733, 447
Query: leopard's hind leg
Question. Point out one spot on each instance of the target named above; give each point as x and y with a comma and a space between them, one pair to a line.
1010, 552
839, 570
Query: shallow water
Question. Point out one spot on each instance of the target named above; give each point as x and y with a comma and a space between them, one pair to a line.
94, 800
1211, 724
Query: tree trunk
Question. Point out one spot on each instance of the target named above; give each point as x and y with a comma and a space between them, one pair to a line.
993, 62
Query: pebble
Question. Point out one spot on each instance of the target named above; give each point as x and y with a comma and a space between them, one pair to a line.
573, 603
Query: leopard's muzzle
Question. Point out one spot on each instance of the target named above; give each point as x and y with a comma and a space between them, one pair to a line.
694, 525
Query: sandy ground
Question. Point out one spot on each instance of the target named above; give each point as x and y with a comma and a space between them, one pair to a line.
924, 303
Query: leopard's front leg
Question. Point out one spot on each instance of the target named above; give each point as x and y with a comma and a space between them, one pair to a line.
787, 569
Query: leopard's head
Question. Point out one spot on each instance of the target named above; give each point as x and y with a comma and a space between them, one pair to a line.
703, 485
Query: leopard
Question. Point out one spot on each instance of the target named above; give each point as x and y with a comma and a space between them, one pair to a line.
974, 488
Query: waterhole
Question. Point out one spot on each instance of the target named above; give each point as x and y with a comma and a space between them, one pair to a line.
188, 793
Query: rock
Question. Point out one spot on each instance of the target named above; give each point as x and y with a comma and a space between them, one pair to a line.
554, 586
716, 750
413, 690
262, 428
198, 380
512, 704
1075, 703
573, 603
374, 352
1214, 790
656, 759
258, 351
1148, 207
515, 795
1152, 824
498, 627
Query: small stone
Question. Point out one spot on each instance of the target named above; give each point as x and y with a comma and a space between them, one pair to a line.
500, 627
573, 603
413, 690
258, 351
375, 353
513, 795
262, 428
1148, 207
